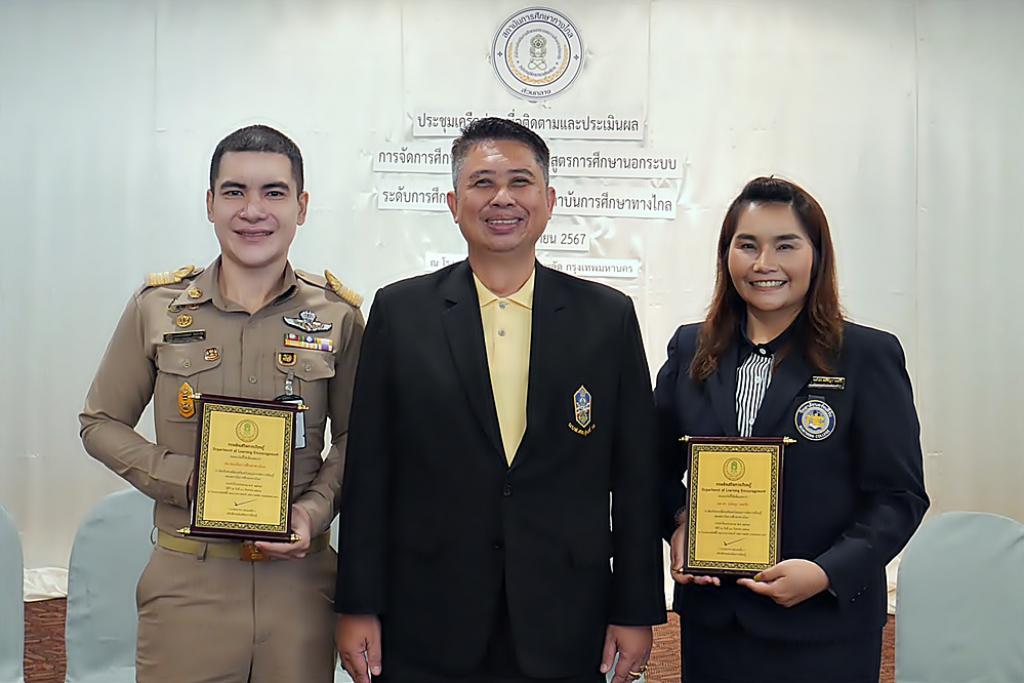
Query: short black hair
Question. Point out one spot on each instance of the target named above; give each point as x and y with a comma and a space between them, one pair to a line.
493, 128
258, 138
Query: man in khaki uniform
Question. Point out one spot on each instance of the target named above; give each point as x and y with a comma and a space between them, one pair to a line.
250, 326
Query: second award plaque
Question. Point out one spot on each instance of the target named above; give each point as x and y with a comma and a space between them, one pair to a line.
243, 469
733, 505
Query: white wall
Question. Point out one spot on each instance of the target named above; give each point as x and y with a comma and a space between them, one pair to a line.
900, 116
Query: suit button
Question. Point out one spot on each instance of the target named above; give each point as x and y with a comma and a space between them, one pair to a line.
507, 491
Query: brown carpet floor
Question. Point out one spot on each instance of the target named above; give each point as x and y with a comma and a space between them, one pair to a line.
44, 646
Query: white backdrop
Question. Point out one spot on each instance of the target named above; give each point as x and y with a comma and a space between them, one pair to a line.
901, 117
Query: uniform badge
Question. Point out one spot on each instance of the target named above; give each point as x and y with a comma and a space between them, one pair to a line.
186, 403
826, 382
581, 403
298, 341
307, 322
195, 293
815, 420
286, 358
212, 354
184, 337
183, 320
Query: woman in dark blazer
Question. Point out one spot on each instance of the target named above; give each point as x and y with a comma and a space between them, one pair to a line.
776, 358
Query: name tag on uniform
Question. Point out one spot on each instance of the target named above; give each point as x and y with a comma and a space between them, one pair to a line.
184, 337
826, 382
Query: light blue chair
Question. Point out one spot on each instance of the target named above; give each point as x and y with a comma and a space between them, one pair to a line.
960, 602
12, 605
111, 549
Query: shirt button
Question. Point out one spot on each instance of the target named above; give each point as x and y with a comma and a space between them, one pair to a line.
501, 333
757, 380
307, 367
252, 379
502, 305
186, 363
763, 352
750, 421
507, 491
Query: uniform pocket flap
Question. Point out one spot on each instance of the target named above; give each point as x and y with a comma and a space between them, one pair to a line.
187, 359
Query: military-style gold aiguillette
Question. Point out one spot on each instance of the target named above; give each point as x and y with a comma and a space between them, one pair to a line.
195, 293
349, 296
183, 320
169, 278
186, 401
212, 354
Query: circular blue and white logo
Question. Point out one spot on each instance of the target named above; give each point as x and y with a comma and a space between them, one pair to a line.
537, 53
815, 420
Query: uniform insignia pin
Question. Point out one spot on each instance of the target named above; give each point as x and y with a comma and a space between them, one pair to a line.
186, 404
815, 420
183, 320
195, 293
286, 358
212, 354
582, 402
307, 322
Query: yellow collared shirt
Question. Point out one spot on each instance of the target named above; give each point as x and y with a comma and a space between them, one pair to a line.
508, 323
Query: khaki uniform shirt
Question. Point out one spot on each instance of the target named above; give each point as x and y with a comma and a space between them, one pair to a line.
241, 355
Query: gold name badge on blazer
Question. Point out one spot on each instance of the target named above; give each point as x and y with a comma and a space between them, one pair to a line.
186, 402
827, 382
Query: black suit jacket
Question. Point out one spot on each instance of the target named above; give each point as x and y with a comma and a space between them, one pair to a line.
850, 502
434, 522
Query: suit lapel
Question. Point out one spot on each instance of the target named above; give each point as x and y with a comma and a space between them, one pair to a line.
549, 303
722, 388
464, 329
788, 379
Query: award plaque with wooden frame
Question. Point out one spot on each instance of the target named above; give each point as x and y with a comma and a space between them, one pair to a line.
734, 505
243, 471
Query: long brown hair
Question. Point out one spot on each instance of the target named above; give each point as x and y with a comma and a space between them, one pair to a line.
819, 334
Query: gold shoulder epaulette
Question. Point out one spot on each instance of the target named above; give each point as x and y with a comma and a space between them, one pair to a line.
171, 277
347, 295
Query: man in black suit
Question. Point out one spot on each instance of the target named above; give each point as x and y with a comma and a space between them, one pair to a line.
500, 408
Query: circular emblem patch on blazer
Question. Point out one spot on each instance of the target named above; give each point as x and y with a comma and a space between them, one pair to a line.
815, 420
537, 53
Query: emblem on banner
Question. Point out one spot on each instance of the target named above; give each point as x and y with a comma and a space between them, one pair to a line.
815, 420
581, 403
537, 53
